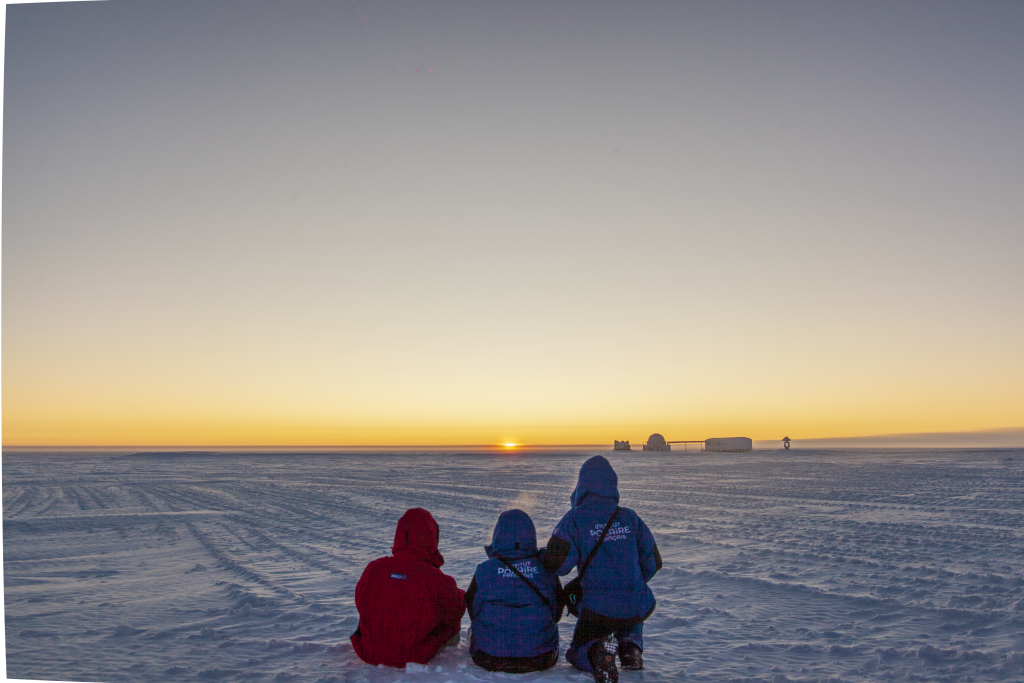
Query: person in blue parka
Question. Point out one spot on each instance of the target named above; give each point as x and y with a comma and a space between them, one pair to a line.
513, 602
616, 599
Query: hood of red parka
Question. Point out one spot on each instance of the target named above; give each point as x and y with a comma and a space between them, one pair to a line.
416, 537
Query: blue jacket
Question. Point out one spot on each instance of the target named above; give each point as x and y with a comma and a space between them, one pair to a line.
509, 618
615, 583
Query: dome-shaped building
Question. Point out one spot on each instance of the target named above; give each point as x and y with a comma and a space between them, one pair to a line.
656, 442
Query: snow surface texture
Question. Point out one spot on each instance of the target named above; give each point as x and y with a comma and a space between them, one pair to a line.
779, 566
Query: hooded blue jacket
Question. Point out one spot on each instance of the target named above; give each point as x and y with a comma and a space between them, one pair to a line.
509, 618
615, 583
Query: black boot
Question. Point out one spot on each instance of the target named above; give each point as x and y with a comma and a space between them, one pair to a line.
631, 656
602, 658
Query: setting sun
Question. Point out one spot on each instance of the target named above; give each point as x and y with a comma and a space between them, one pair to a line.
509, 445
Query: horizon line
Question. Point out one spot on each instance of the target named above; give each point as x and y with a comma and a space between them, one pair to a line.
194, 447
502, 446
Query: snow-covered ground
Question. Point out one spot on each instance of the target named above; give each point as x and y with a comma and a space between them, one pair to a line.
799, 565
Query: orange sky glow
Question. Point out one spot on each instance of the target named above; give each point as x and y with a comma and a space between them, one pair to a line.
441, 229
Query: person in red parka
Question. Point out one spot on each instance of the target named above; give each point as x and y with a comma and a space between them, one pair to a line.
408, 608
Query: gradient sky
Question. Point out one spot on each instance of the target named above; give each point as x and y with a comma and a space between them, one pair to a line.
312, 223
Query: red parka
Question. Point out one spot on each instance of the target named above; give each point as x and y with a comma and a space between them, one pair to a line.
408, 608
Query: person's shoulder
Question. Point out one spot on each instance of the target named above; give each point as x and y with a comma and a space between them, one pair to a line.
635, 518
487, 564
379, 563
628, 513
567, 523
427, 574
377, 568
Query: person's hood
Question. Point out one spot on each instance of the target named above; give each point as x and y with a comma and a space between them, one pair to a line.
416, 537
514, 536
597, 479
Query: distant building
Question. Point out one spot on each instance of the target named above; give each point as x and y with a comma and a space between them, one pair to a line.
785, 442
732, 443
656, 442
622, 446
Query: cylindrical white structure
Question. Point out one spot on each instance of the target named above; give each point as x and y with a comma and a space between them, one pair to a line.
732, 443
